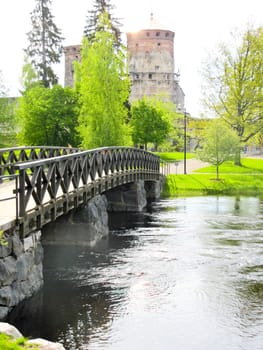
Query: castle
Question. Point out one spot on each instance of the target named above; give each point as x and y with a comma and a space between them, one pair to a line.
150, 60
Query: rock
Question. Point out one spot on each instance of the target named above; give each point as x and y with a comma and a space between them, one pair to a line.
7, 271
43, 344
4, 310
6, 249
10, 330
18, 248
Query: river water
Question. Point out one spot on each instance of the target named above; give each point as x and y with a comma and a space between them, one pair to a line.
185, 275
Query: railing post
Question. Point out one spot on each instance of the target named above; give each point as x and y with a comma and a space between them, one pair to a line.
21, 193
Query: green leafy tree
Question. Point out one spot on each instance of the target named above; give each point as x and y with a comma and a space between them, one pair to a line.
103, 86
29, 76
94, 25
45, 40
234, 81
48, 116
149, 123
219, 145
7, 124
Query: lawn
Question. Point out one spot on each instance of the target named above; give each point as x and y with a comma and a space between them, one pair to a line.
241, 180
249, 166
173, 156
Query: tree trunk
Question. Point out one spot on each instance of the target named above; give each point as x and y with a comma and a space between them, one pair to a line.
217, 172
238, 158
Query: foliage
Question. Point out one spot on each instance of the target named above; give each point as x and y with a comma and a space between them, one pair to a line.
196, 128
48, 116
103, 86
94, 25
45, 40
219, 145
6, 343
6, 116
29, 75
2, 238
234, 83
149, 123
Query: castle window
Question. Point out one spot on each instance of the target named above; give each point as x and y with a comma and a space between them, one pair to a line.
157, 33
150, 75
137, 44
137, 76
166, 34
157, 67
159, 44
148, 34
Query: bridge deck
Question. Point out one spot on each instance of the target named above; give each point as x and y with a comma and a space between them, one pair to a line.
7, 206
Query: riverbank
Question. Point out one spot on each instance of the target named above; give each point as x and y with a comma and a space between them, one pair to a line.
201, 179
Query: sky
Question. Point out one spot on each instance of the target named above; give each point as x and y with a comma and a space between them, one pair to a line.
199, 26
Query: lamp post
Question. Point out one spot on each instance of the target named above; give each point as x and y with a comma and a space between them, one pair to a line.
185, 115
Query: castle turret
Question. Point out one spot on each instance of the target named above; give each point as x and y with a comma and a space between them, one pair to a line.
72, 53
151, 63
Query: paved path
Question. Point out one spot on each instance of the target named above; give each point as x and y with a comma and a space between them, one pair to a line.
191, 165
7, 206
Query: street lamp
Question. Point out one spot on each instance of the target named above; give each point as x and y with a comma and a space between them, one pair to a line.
185, 122
185, 114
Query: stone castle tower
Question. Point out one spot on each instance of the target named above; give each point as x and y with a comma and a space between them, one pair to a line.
151, 64
72, 53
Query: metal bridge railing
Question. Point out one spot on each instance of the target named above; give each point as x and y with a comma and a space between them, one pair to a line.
49, 186
9, 157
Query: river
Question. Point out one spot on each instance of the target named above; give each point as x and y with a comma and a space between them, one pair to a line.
185, 275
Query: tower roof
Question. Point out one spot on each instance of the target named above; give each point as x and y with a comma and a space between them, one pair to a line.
155, 24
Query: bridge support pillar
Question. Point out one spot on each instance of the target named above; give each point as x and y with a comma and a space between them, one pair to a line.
153, 189
85, 225
129, 197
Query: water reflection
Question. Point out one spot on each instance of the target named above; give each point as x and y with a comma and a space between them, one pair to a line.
186, 274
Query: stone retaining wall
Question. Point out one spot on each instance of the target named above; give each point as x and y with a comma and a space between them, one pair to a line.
20, 270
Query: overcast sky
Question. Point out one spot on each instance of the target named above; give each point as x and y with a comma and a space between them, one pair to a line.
199, 25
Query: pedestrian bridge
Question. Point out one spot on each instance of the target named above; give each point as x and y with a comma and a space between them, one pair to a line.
39, 184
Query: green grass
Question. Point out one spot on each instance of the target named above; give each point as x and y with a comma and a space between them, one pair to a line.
234, 180
249, 166
173, 156
229, 184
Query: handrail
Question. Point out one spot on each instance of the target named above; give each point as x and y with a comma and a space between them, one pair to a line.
44, 180
11, 156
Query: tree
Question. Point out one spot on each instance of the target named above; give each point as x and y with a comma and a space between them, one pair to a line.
234, 83
7, 133
103, 85
45, 40
94, 25
149, 123
219, 145
48, 116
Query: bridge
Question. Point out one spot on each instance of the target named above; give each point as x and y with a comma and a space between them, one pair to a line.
39, 184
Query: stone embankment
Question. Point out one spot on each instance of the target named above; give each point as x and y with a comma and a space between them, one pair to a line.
39, 343
20, 270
